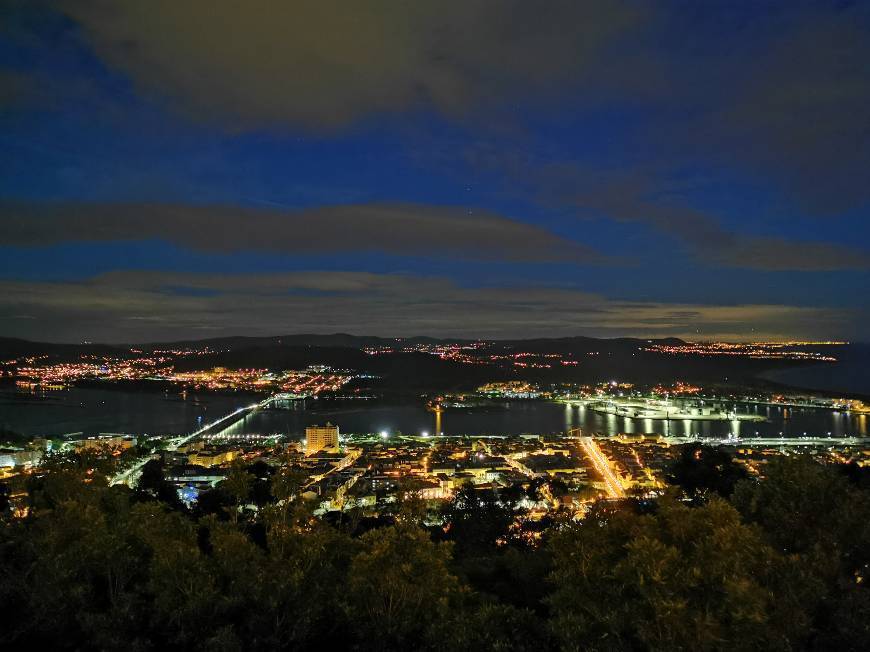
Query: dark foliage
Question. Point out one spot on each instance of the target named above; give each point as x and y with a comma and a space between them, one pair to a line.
701, 470
783, 565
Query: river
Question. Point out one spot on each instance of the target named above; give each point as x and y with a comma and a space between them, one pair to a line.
92, 411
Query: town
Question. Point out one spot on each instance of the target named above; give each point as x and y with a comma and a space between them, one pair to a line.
371, 472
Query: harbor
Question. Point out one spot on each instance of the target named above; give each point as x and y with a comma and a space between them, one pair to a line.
664, 410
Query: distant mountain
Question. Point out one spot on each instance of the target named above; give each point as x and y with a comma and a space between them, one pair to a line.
415, 372
17, 347
11, 347
276, 356
546, 344
300, 339
412, 372
583, 345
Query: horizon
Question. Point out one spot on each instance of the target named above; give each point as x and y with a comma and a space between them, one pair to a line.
445, 339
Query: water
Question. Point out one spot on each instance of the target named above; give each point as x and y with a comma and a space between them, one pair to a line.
544, 418
849, 375
93, 411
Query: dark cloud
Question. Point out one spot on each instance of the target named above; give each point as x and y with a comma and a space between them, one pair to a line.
143, 306
780, 92
645, 196
707, 240
326, 63
14, 87
801, 109
776, 91
404, 229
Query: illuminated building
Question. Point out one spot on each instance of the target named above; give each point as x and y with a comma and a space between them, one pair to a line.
319, 438
211, 458
104, 442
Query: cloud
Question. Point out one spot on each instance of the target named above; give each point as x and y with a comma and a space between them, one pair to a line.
707, 240
14, 86
775, 96
646, 196
402, 229
803, 107
327, 63
111, 308
778, 92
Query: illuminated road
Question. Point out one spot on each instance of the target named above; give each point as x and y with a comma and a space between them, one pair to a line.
518, 466
351, 457
602, 465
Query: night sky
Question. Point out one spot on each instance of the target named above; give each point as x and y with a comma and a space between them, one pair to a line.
177, 169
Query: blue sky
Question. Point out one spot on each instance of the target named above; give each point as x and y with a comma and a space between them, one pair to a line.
172, 170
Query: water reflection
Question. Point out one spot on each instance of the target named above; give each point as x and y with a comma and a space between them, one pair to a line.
93, 411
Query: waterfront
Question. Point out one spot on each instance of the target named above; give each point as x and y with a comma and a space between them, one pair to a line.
93, 411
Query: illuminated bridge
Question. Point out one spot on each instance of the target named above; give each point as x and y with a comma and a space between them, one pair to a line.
129, 476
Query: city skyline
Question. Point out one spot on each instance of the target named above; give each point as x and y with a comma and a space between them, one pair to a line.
492, 170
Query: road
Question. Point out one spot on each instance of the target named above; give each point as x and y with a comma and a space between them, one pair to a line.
611, 481
352, 456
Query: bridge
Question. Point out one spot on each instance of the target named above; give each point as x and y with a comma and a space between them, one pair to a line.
130, 475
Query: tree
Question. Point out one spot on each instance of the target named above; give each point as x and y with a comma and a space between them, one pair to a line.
238, 484
398, 585
496, 627
216, 501
153, 482
151, 478
410, 506
681, 579
701, 470
476, 519
819, 517
286, 485
858, 475
5, 502
810, 509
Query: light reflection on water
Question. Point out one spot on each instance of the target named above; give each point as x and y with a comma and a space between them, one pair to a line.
92, 411
540, 417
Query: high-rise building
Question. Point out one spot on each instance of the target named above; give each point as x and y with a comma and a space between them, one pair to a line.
318, 438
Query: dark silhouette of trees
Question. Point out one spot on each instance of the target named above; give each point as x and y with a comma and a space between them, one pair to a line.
5, 504
399, 585
820, 518
703, 470
478, 518
681, 579
783, 565
153, 482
